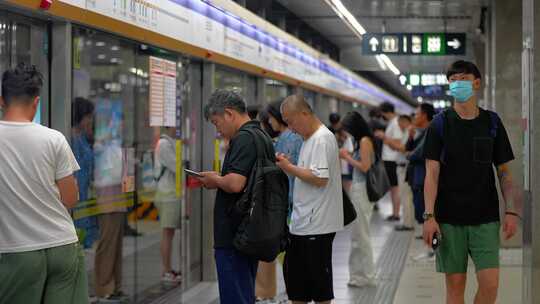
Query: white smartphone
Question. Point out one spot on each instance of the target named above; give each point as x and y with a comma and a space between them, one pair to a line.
194, 173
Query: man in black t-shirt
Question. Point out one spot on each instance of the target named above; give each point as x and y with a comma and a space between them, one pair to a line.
236, 272
462, 207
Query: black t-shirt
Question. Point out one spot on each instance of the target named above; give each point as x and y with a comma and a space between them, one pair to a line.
239, 159
467, 194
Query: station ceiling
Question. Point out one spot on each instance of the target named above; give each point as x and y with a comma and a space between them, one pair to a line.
395, 16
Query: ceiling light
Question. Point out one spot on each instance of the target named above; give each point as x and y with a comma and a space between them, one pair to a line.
346, 16
420, 99
115, 48
409, 87
381, 62
390, 64
114, 60
100, 43
101, 56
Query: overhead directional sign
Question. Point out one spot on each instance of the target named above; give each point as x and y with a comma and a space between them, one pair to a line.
414, 43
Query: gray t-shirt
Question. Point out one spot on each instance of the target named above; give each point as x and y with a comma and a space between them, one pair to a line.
32, 216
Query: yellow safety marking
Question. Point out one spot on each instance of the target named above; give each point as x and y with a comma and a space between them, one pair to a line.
91, 207
99, 209
179, 168
217, 162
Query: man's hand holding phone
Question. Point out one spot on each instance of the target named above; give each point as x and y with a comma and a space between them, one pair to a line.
431, 228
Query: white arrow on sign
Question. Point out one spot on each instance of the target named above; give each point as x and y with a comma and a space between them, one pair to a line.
374, 42
454, 43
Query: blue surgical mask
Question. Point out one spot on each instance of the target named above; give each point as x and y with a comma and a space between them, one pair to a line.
462, 90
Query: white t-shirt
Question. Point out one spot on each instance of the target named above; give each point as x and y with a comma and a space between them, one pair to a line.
32, 159
402, 159
318, 210
348, 144
393, 131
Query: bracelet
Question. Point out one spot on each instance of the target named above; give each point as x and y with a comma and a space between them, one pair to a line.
513, 213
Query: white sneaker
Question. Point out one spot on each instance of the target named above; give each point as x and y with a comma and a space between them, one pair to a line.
171, 277
426, 256
361, 283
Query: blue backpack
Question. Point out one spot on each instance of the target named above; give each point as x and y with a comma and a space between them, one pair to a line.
440, 119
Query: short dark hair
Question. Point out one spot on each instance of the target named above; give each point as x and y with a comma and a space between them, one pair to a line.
224, 99
463, 67
405, 117
273, 110
23, 83
374, 113
81, 108
334, 118
428, 109
253, 111
387, 107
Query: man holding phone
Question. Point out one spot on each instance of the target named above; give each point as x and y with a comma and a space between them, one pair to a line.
236, 272
462, 146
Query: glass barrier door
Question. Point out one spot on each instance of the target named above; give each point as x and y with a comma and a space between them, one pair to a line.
26, 40
129, 137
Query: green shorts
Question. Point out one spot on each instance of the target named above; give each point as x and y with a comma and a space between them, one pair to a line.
481, 242
50, 276
169, 214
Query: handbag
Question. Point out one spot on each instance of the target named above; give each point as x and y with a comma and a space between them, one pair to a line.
349, 213
377, 181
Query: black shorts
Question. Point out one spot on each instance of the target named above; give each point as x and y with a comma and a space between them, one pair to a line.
391, 171
308, 268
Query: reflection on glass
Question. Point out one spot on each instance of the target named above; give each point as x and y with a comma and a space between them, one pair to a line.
103, 143
124, 195
230, 80
82, 138
275, 90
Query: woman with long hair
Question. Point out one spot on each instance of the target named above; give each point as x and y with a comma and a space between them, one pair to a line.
288, 143
361, 265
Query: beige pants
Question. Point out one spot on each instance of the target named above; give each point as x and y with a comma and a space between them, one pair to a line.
405, 194
108, 261
266, 281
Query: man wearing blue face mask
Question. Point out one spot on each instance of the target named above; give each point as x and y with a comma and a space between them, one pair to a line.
462, 146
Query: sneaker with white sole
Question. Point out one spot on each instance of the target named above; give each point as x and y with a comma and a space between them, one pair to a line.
426, 256
171, 277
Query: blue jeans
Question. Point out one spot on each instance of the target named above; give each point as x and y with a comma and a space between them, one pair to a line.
418, 200
236, 276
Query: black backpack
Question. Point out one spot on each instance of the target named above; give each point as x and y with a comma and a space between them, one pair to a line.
263, 231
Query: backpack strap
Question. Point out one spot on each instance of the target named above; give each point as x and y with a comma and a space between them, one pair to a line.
262, 146
493, 123
438, 123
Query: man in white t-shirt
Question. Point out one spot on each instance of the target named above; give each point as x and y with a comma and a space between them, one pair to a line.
317, 205
40, 259
391, 155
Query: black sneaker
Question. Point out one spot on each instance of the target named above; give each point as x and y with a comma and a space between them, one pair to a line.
128, 231
392, 218
403, 228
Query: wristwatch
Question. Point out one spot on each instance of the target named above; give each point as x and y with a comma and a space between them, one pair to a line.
426, 216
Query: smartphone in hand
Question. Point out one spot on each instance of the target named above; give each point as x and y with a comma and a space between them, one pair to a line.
193, 173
